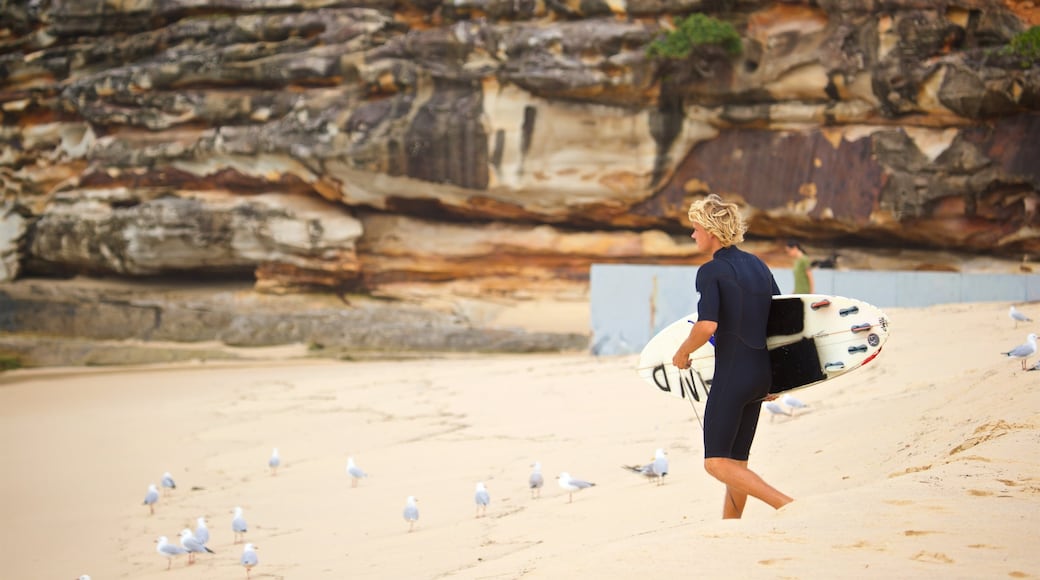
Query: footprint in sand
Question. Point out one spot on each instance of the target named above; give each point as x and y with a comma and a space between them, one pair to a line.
860, 545
772, 561
936, 557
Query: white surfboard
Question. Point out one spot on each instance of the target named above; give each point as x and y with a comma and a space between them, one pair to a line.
811, 338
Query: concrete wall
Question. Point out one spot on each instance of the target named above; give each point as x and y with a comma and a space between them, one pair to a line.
631, 303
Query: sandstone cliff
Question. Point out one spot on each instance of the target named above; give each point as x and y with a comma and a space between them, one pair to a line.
503, 146
290, 139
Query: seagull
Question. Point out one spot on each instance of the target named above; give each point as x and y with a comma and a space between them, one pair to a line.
482, 499
536, 481
793, 403
201, 531
170, 551
775, 410
249, 558
354, 472
1035, 367
238, 525
168, 483
1017, 316
151, 497
411, 512
655, 470
193, 546
1024, 350
572, 485
274, 461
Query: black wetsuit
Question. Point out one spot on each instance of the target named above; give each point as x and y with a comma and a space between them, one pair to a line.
736, 290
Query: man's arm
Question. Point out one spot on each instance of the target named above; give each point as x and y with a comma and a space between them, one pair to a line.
700, 333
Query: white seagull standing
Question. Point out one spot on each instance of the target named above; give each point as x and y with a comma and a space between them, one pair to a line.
249, 558
1024, 350
482, 499
201, 531
411, 512
190, 543
354, 472
168, 550
274, 461
572, 485
1017, 316
238, 525
167, 483
775, 410
536, 481
151, 497
655, 470
793, 403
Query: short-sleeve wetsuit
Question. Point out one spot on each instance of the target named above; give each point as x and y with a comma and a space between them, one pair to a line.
736, 290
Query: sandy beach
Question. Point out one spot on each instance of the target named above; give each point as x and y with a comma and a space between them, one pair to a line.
922, 464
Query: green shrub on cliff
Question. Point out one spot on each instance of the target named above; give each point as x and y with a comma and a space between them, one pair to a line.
9, 362
693, 31
1025, 46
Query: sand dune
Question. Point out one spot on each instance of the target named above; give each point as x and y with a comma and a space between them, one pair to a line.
922, 464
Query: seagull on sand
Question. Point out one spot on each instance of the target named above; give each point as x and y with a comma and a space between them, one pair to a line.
411, 512
354, 472
655, 470
190, 543
201, 531
481, 498
793, 403
572, 485
774, 410
168, 550
1024, 350
249, 558
1017, 316
238, 525
151, 497
274, 461
167, 483
536, 481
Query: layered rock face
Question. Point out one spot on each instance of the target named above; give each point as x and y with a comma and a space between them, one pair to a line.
503, 146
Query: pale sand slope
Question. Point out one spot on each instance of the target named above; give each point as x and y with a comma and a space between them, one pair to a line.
923, 464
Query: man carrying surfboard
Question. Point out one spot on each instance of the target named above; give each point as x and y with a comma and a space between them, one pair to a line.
736, 290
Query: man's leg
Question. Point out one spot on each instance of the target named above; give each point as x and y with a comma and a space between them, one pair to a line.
740, 483
733, 507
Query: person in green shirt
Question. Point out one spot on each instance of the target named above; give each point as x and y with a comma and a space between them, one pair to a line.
803, 279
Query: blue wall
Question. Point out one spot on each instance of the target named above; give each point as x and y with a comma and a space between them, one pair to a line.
631, 303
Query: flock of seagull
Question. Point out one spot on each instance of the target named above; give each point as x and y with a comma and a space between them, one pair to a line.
192, 543
1027, 348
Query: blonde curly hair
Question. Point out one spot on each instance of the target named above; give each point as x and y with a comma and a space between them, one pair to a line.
719, 218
